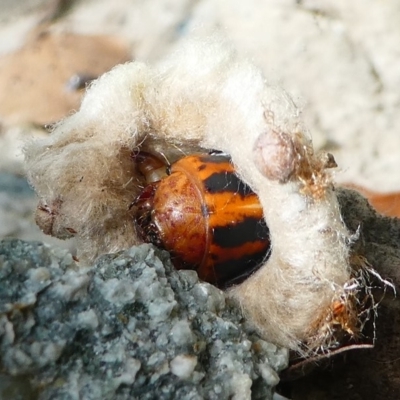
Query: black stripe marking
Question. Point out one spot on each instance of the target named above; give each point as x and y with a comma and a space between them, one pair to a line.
233, 272
234, 235
215, 158
226, 182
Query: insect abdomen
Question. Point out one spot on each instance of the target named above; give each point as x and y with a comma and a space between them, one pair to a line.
210, 220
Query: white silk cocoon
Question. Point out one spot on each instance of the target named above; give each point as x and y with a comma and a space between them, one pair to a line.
204, 96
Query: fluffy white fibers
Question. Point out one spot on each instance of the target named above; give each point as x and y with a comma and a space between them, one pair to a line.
205, 96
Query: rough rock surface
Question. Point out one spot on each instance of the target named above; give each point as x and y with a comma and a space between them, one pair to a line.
131, 327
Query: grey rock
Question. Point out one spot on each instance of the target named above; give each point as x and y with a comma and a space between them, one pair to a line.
379, 239
131, 327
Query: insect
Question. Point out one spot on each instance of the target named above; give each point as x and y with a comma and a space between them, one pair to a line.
204, 215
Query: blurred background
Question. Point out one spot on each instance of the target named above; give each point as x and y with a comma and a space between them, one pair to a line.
338, 59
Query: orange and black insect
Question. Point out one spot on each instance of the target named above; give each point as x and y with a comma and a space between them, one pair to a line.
204, 215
